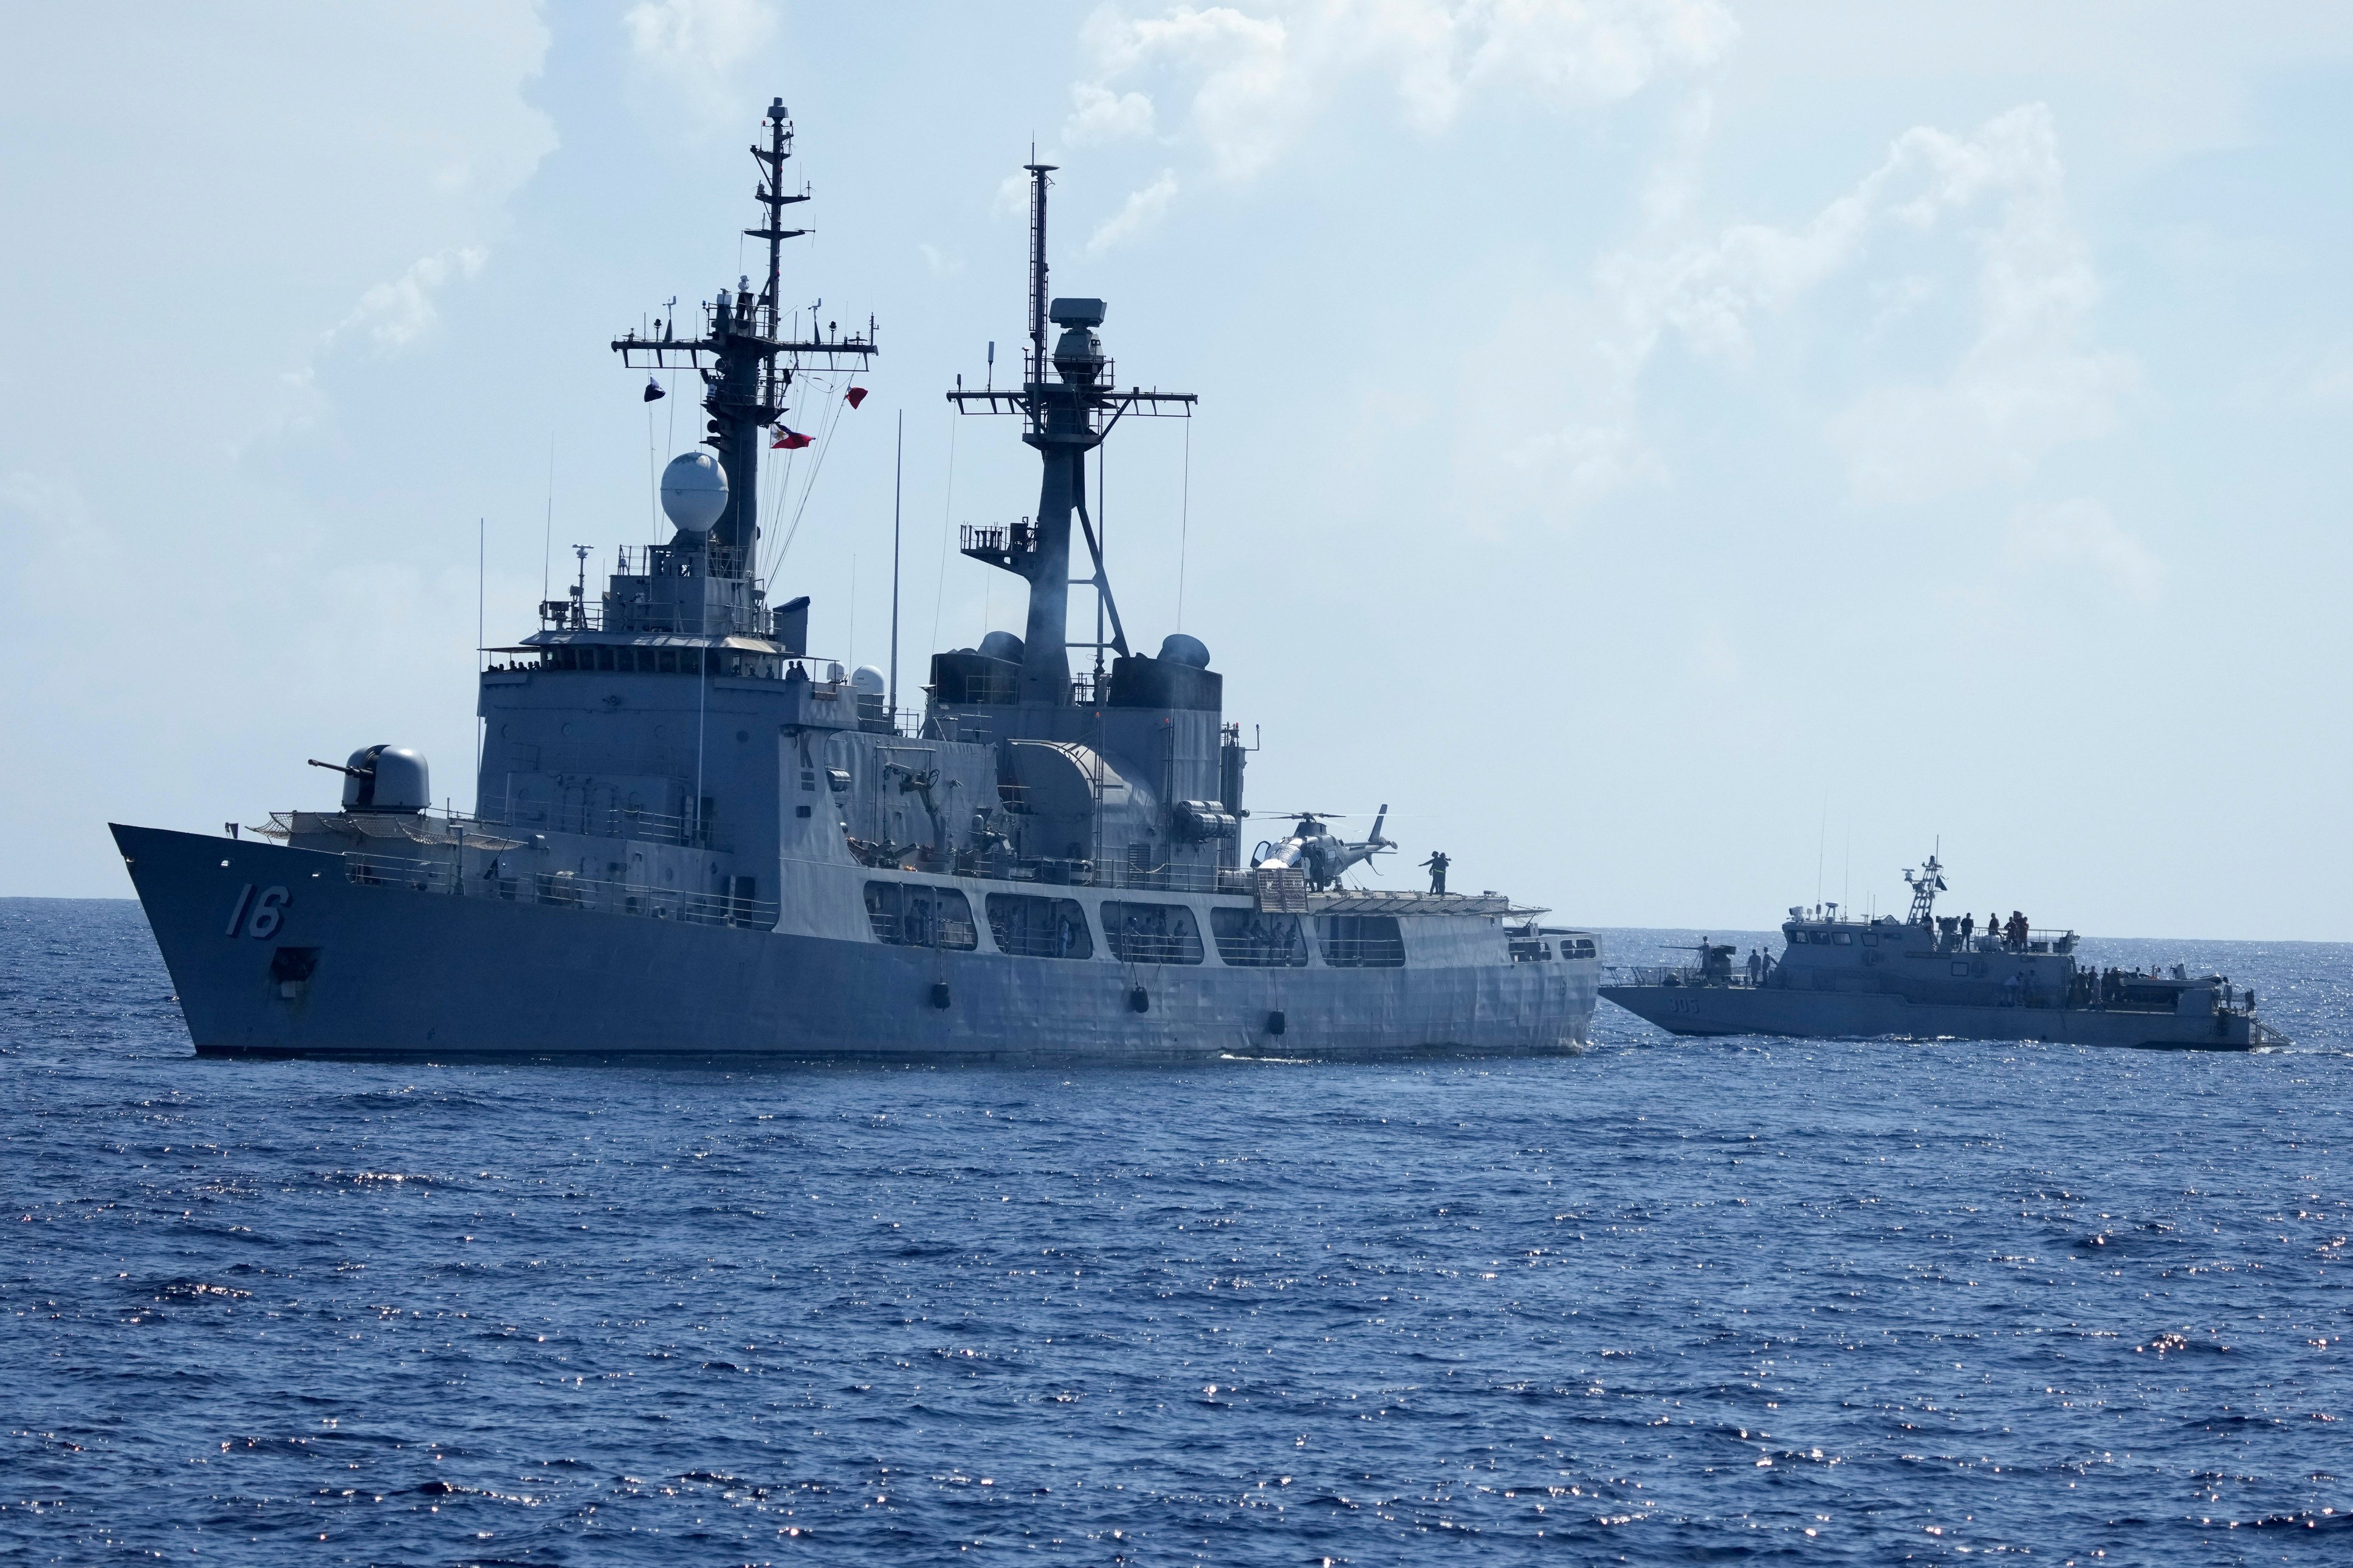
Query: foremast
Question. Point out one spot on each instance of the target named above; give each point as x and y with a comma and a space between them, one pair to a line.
747, 364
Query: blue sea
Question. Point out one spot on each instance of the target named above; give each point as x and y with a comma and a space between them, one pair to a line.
1666, 1301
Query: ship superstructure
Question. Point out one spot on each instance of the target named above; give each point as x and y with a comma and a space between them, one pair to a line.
1932, 977
694, 834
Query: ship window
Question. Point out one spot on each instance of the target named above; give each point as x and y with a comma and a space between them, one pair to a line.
1249, 940
1030, 927
1152, 933
1844, 939
1960, 966
911, 914
1361, 942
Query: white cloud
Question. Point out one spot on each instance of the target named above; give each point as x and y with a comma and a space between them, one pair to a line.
1102, 115
1246, 95
395, 314
2030, 380
1143, 211
697, 47
1257, 76
2071, 538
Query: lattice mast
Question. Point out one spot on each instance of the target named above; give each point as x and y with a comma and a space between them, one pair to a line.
1926, 883
1069, 403
747, 368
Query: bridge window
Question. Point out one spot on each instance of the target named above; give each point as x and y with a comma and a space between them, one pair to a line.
1030, 927
911, 914
1248, 940
1361, 942
1152, 933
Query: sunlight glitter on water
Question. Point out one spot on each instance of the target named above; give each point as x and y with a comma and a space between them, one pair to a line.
1665, 1300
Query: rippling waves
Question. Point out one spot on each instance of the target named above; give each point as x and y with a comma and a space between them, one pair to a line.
1669, 1301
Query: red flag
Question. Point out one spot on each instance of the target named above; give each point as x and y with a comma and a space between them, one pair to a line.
787, 439
857, 396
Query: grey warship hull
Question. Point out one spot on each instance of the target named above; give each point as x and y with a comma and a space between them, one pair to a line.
1803, 1015
692, 836
392, 971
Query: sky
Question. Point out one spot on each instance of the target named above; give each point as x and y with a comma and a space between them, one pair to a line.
1686, 459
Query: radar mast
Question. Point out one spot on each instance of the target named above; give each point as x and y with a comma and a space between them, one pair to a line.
1926, 883
747, 366
1064, 420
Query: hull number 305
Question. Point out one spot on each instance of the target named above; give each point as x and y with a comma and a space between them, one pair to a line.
257, 918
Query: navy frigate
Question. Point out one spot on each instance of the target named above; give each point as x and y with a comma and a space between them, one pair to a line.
692, 836
1931, 977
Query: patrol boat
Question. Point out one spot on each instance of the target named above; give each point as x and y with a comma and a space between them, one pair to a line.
693, 837
1927, 977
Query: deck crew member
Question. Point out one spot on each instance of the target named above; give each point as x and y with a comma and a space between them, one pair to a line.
1437, 865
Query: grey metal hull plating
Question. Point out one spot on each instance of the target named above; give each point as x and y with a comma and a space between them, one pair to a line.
1817, 1015
408, 973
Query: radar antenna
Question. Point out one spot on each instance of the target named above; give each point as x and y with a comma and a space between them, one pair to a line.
747, 366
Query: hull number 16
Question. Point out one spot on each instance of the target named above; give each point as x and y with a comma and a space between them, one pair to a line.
257, 918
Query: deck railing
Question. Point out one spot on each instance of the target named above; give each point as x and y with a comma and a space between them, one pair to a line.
562, 889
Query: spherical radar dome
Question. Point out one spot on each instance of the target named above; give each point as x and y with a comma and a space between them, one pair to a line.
694, 491
869, 681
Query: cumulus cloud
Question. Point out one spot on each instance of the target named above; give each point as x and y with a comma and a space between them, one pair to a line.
1100, 114
2071, 539
395, 314
2029, 381
1251, 79
1143, 212
696, 46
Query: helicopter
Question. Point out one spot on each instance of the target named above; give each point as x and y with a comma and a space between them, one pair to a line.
1317, 850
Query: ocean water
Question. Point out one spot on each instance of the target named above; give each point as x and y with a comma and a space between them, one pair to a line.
1661, 1302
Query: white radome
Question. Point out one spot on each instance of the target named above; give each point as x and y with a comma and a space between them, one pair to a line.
694, 491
